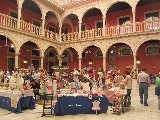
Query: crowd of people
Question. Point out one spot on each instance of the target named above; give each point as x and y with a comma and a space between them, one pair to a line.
95, 77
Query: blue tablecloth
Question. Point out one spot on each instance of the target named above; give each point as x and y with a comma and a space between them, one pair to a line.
24, 102
67, 105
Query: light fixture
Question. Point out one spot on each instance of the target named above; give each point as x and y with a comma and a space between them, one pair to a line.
138, 61
25, 61
90, 62
12, 46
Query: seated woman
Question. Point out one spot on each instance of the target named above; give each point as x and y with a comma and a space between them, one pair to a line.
119, 95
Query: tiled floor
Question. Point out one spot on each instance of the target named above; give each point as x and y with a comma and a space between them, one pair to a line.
136, 112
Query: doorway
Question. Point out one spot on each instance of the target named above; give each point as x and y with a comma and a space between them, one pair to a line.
11, 62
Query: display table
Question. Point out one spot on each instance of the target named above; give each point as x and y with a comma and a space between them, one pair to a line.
16, 102
67, 105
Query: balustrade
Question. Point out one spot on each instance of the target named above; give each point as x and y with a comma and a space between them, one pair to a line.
145, 26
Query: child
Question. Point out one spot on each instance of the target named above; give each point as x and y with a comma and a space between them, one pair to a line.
119, 94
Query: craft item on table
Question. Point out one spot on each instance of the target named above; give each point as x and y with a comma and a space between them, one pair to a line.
19, 86
14, 101
28, 93
13, 85
64, 75
65, 91
43, 88
27, 86
90, 96
86, 86
96, 106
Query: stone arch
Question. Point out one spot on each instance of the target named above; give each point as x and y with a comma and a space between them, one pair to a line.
41, 8
47, 50
145, 39
89, 8
65, 15
68, 21
70, 52
56, 14
30, 40
134, 5
84, 47
119, 41
52, 20
67, 48
9, 37
110, 3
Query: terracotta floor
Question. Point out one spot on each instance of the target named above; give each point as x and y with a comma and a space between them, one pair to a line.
136, 112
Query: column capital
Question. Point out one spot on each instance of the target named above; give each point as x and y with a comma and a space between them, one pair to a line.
16, 54
79, 58
134, 55
60, 56
104, 56
41, 57
19, 7
79, 22
133, 12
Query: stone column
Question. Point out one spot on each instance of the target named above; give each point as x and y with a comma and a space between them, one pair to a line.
60, 32
42, 62
104, 62
80, 27
135, 64
134, 21
80, 63
16, 60
104, 23
19, 16
43, 22
60, 59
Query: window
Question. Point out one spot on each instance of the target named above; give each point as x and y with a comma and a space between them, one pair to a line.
83, 27
14, 14
35, 63
153, 50
51, 54
99, 25
64, 64
83, 54
35, 52
52, 29
36, 23
124, 20
99, 53
125, 51
64, 30
11, 49
152, 16
65, 54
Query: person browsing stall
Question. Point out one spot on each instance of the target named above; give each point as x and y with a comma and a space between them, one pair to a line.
144, 82
35, 86
128, 82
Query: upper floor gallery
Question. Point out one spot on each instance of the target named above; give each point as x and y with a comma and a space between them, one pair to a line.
101, 23
82, 20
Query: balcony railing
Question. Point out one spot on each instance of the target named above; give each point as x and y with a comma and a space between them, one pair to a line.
109, 31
